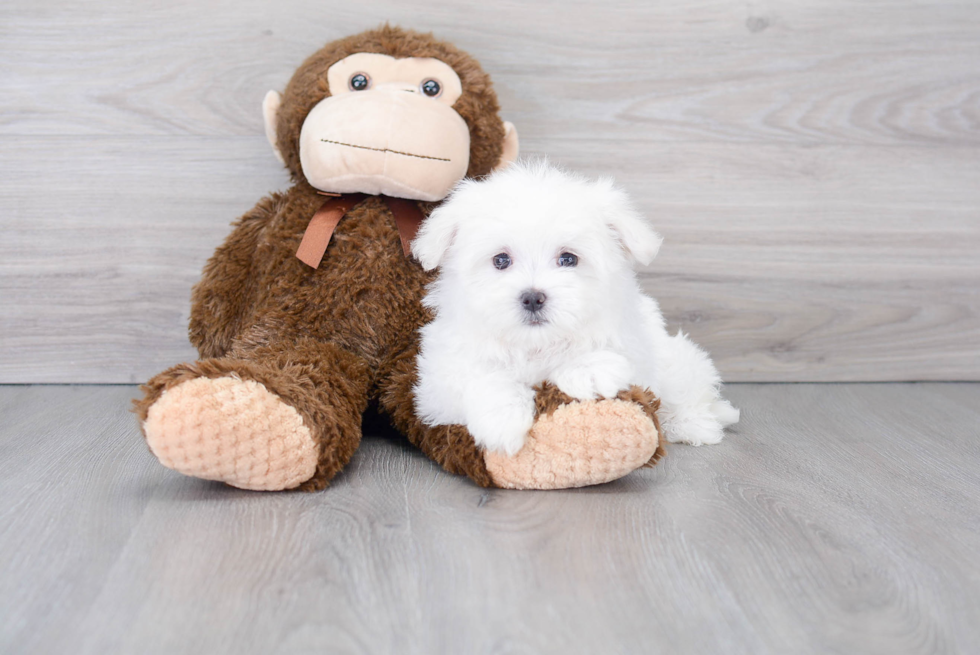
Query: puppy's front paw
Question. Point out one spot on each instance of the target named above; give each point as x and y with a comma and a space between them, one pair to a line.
503, 429
602, 373
500, 418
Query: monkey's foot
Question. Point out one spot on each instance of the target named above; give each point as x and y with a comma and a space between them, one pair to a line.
232, 430
581, 444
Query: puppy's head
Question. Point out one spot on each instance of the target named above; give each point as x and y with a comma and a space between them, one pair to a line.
534, 253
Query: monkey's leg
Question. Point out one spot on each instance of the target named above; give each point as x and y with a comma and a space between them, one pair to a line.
572, 444
580, 443
274, 417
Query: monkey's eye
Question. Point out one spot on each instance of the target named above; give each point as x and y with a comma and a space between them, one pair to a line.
359, 82
567, 259
501, 261
431, 88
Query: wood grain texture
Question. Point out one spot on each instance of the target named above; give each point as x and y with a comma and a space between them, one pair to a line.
837, 519
812, 167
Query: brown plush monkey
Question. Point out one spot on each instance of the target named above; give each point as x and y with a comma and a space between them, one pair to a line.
310, 309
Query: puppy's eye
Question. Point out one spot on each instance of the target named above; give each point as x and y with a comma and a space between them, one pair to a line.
501, 261
359, 82
567, 259
431, 88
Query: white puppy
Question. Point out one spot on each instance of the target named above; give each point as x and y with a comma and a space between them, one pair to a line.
537, 284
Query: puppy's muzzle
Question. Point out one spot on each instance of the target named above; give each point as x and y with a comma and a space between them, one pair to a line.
533, 302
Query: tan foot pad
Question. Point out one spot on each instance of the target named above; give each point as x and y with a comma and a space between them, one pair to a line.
579, 445
231, 430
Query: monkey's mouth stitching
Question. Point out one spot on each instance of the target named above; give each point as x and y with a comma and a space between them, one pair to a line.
395, 152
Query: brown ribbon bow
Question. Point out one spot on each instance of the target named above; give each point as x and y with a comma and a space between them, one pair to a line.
408, 218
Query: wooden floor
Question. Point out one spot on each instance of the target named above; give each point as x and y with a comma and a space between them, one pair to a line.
837, 519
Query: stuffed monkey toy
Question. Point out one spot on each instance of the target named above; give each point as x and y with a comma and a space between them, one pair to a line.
310, 309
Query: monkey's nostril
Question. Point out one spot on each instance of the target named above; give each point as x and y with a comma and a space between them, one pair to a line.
533, 300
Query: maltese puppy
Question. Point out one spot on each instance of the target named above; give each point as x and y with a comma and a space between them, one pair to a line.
536, 284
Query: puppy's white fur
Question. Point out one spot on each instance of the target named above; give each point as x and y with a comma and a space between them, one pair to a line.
596, 334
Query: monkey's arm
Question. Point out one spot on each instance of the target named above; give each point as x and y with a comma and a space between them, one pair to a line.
224, 297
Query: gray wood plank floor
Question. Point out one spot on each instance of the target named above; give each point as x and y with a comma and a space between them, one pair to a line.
837, 519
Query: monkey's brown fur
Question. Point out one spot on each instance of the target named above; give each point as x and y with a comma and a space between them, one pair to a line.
327, 341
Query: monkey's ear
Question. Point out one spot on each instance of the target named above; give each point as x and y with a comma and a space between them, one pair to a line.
639, 240
436, 236
270, 112
511, 147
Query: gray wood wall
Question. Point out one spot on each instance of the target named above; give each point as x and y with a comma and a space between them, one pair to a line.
814, 166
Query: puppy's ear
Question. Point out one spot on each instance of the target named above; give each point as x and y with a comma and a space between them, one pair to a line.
436, 236
638, 239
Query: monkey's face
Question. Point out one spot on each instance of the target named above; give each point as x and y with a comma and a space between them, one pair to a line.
388, 127
389, 111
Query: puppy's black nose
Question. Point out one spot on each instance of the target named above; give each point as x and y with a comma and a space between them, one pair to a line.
533, 300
